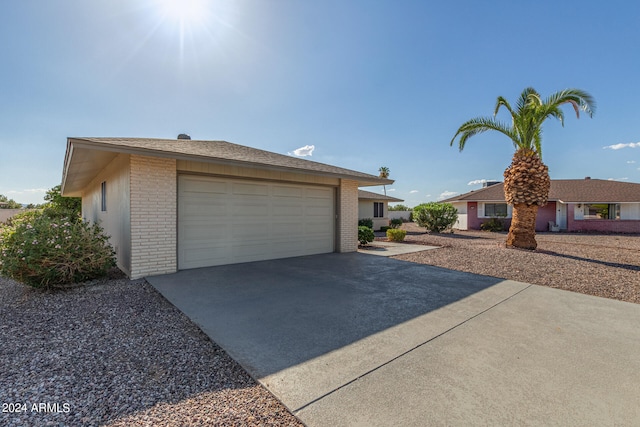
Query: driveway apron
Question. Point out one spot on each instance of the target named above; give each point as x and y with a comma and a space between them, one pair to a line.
356, 339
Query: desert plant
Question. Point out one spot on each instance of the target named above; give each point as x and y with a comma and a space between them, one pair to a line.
396, 234
434, 216
366, 222
44, 251
494, 224
365, 235
395, 223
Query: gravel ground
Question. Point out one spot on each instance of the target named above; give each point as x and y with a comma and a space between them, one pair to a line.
116, 353
601, 265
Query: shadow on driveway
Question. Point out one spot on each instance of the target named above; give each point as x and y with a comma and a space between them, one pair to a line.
272, 315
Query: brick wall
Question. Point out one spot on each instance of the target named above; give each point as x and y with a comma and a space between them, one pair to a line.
545, 214
600, 225
348, 216
153, 216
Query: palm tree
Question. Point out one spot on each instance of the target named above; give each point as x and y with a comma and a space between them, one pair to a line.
384, 173
526, 180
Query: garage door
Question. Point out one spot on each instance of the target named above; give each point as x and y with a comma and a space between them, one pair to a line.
225, 221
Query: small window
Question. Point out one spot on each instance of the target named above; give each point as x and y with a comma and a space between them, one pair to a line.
103, 196
378, 210
495, 210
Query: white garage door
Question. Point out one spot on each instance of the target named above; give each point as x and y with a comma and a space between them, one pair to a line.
226, 221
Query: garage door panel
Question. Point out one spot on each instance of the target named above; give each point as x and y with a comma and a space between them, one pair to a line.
323, 193
280, 191
224, 221
245, 189
208, 233
198, 185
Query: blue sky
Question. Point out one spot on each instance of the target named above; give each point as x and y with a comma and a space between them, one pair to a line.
366, 83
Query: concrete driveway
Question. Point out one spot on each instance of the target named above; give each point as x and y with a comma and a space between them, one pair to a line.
355, 339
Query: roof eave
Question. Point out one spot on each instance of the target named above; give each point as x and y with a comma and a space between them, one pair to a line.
363, 181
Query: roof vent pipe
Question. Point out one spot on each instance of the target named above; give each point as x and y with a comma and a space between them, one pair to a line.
184, 136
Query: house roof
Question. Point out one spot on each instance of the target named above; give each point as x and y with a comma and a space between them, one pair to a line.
567, 191
86, 156
368, 195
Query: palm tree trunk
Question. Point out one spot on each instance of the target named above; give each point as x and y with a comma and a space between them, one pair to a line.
523, 225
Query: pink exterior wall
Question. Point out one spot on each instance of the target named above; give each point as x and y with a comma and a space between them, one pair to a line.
548, 213
473, 222
545, 214
601, 225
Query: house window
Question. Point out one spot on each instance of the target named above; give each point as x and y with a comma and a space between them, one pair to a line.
103, 196
495, 210
602, 211
378, 210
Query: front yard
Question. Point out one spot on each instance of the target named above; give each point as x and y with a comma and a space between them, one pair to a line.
601, 265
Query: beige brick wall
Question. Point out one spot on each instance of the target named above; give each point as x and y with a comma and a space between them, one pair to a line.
153, 216
348, 216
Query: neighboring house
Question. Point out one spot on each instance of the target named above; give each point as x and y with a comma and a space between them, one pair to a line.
574, 205
375, 206
169, 205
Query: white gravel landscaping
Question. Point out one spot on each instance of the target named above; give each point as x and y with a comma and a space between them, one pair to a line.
604, 265
116, 353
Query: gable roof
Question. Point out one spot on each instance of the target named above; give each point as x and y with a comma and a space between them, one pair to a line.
85, 155
368, 195
567, 191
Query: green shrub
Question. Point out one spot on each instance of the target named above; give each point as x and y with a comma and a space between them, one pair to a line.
396, 234
395, 223
367, 222
365, 235
384, 228
435, 216
494, 224
46, 251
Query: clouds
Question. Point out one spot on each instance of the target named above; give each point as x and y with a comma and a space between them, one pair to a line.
446, 194
630, 162
413, 191
620, 146
479, 181
307, 150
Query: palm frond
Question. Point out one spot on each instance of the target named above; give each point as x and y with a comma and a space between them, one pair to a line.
480, 125
527, 118
579, 99
525, 98
502, 102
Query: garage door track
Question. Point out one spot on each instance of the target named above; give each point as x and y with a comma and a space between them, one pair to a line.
355, 339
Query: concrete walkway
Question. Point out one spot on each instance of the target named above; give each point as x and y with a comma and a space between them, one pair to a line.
381, 248
353, 339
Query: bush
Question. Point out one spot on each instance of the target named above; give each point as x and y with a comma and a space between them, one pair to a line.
435, 217
396, 234
46, 251
367, 222
384, 228
494, 224
395, 223
365, 235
